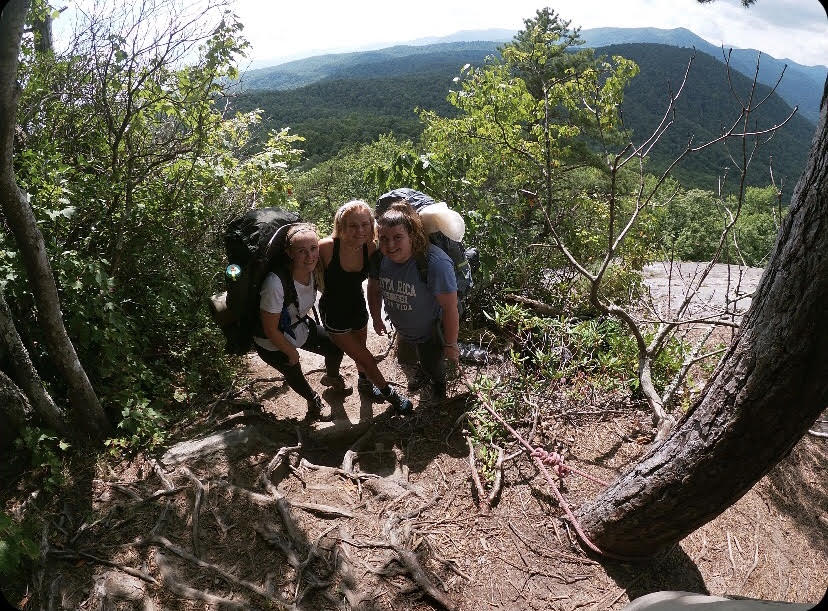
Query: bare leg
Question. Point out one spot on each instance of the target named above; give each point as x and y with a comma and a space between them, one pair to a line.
353, 344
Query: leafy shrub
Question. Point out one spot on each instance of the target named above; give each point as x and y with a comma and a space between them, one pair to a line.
16, 547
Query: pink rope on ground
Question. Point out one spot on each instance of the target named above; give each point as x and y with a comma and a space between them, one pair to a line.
555, 460
559, 497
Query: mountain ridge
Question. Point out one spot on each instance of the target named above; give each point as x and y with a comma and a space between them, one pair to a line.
801, 86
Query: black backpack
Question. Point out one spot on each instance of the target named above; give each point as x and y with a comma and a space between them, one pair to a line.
254, 243
466, 260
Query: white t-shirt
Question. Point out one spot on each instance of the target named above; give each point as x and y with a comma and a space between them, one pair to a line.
272, 298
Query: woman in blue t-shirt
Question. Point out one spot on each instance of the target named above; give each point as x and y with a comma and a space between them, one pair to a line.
424, 313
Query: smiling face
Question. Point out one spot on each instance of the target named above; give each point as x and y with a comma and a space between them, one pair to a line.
304, 251
395, 243
358, 227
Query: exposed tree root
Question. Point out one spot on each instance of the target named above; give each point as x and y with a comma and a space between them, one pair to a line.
199, 494
174, 585
227, 441
411, 563
66, 554
227, 576
112, 586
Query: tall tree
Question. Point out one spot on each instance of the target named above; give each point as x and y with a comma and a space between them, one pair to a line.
769, 388
86, 409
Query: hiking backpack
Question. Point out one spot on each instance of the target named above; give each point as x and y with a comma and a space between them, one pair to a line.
254, 243
466, 260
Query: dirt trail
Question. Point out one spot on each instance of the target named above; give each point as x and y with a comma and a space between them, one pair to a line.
378, 512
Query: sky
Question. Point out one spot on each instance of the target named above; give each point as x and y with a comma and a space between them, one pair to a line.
281, 30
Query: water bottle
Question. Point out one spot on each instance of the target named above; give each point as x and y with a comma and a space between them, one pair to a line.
232, 272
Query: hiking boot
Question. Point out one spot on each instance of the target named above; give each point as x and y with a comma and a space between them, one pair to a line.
419, 381
318, 410
403, 405
314, 408
366, 388
336, 382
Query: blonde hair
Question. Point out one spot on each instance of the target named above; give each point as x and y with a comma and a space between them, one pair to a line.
345, 210
401, 213
293, 231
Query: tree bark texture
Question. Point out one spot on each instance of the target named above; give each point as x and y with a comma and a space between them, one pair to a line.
769, 388
86, 409
23, 372
13, 410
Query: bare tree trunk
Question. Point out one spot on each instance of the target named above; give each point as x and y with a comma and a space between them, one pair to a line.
766, 392
24, 373
86, 408
13, 410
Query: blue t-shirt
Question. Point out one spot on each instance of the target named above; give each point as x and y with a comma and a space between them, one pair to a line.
410, 304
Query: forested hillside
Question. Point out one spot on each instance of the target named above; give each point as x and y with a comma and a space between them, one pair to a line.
706, 108
362, 99
802, 85
384, 62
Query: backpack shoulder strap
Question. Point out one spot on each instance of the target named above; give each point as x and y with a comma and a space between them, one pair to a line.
422, 267
291, 297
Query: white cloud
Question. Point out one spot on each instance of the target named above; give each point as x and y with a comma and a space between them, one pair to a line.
796, 29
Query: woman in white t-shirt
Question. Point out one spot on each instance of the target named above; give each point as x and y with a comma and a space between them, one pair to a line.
287, 328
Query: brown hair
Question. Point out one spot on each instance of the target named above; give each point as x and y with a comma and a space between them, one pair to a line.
401, 213
354, 206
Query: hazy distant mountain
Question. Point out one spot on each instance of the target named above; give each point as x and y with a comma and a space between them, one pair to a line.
353, 98
496, 35
801, 85
382, 62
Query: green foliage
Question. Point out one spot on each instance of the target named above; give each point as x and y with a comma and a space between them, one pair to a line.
44, 452
142, 426
521, 152
16, 547
132, 173
357, 172
689, 226
550, 350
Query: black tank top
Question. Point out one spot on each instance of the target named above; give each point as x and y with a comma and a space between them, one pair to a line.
342, 286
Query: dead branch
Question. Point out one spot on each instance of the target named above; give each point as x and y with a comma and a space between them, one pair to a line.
199, 494
227, 576
497, 485
411, 563
69, 554
174, 585
483, 498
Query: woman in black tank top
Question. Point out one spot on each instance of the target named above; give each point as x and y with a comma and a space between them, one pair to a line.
343, 308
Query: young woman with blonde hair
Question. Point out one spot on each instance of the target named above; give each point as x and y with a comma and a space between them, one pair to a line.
345, 257
283, 330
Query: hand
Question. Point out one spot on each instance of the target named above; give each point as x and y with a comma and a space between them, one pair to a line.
379, 327
293, 356
452, 353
